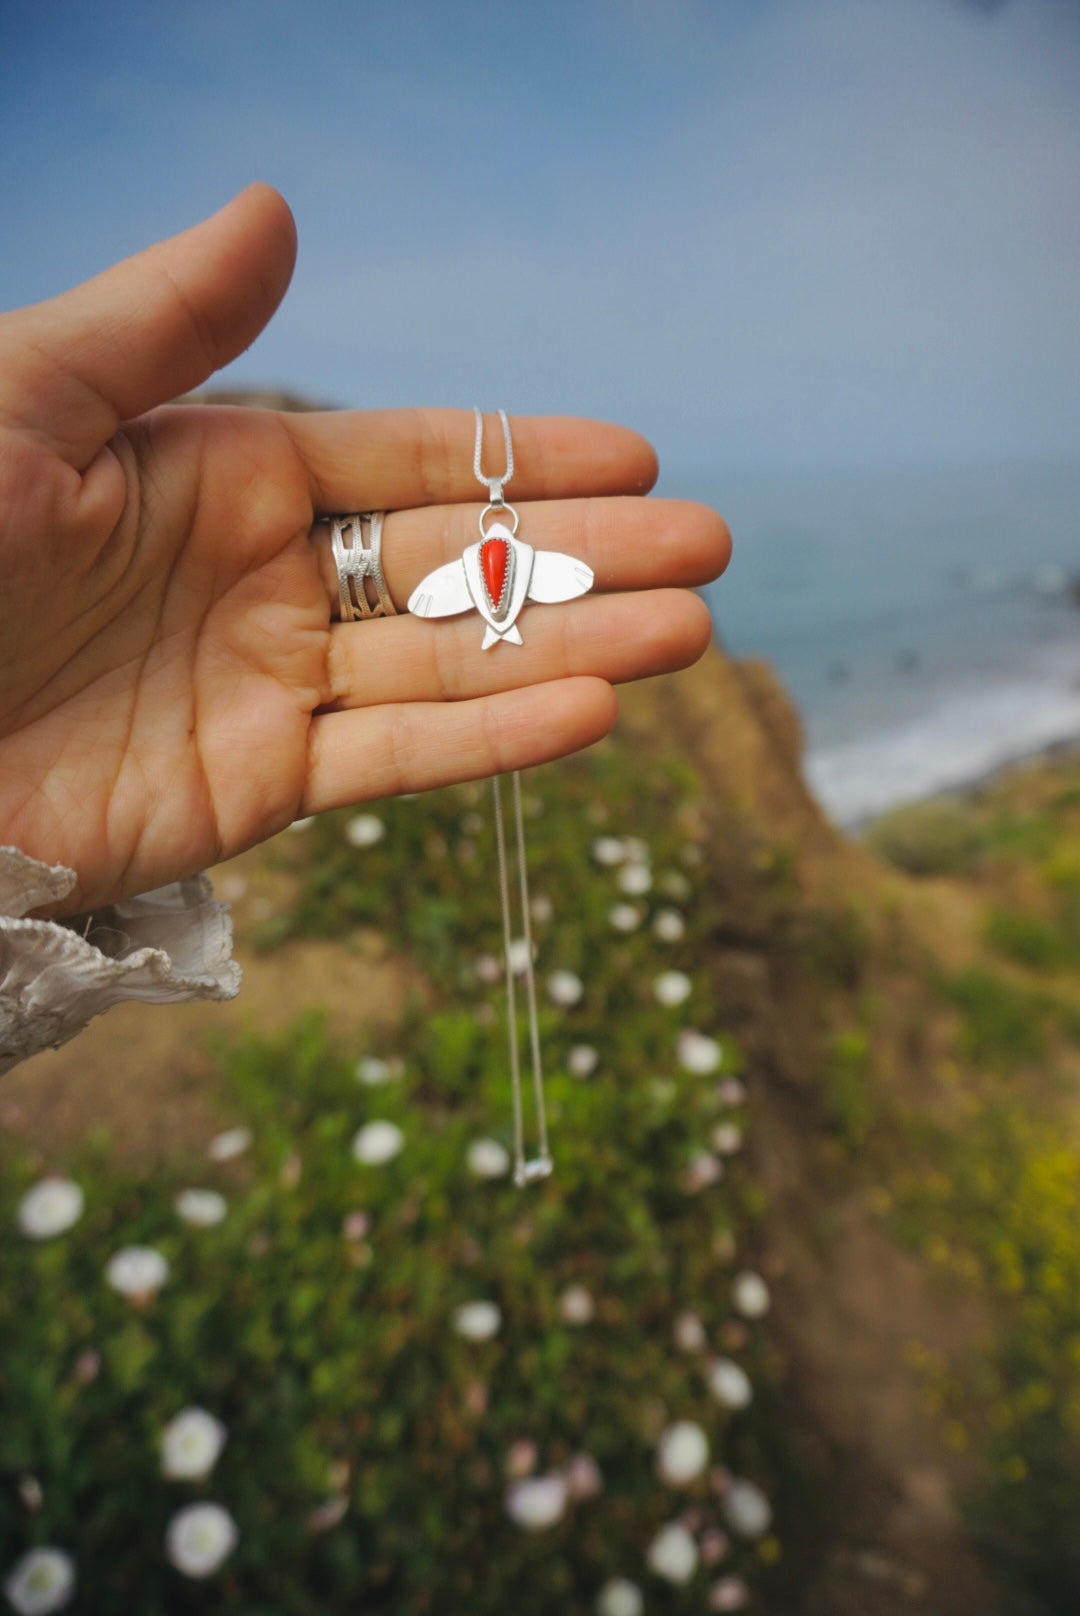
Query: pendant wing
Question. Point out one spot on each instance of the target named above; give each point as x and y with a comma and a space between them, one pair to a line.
443, 593
558, 577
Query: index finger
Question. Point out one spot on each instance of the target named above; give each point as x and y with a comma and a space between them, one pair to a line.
399, 459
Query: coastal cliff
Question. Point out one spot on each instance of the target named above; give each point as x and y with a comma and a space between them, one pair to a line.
812, 926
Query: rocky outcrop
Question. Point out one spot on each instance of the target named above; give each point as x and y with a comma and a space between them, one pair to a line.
736, 724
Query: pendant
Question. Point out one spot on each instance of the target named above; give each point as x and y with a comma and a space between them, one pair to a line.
495, 577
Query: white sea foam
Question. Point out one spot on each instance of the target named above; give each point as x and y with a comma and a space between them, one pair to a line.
923, 620
965, 737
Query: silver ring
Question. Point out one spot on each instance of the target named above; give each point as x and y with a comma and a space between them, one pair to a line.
356, 562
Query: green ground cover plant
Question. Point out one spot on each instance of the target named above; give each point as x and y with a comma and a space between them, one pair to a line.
1001, 1024
928, 838
409, 1386
1029, 940
991, 1196
1002, 1206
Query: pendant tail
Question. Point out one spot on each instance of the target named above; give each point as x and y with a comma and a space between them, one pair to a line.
492, 636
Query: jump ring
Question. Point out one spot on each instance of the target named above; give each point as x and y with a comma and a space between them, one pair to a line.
503, 510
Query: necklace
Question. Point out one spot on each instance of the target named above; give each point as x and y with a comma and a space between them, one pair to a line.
495, 577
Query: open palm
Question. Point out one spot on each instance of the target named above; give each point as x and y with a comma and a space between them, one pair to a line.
173, 688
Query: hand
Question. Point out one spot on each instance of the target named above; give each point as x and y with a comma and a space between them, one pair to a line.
173, 689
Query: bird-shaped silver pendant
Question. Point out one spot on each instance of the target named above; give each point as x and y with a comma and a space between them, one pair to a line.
496, 577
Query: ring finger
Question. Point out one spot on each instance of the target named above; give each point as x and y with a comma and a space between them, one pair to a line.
612, 637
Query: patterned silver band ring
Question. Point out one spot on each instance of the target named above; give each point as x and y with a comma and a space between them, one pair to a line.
357, 562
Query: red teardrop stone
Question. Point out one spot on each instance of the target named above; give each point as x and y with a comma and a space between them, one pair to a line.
494, 555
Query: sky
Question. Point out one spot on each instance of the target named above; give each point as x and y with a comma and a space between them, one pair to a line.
770, 234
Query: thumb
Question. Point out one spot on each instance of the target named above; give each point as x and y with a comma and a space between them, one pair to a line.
153, 326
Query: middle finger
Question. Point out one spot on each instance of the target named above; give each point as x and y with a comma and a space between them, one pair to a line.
630, 543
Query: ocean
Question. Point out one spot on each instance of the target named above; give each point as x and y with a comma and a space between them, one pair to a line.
924, 621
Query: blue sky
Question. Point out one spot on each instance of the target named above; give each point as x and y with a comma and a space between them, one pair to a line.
769, 233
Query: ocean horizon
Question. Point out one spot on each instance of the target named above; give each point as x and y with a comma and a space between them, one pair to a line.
923, 619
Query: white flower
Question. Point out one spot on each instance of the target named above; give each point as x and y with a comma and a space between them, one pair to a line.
87, 1368
620, 1597
581, 1061
634, 879
608, 850
537, 1502
372, 1070
682, 1454
729, 1593
49, 1208
672, 987
541, 908
200, 1538
576, 1305
364, 830
750, 1294
729, 1383
714, 1544
327, 1515
564, 988
746, 1509
190, 1445
669, 926
519, 956
233, 1142
689, 1333
705, 1169
42, 1581
137, 1271
727, 1138
731, 1092
487, 1158
583, 1478
355, 1225
699, 1054
673, 1554
625, 916
521, 1459
487, 968
478, 1321
201, 1208
377, 1142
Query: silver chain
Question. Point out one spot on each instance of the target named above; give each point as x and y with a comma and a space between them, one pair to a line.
494, 485
526, 1171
